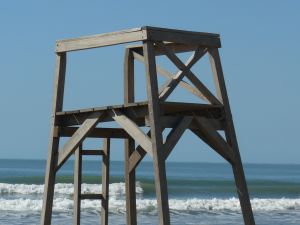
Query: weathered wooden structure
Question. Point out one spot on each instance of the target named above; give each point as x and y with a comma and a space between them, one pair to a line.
204, 119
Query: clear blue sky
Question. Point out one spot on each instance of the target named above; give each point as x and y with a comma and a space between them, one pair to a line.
260, 54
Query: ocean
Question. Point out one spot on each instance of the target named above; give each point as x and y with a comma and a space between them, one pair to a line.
199, 193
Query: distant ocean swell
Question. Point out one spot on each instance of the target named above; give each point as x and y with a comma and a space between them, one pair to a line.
20, 197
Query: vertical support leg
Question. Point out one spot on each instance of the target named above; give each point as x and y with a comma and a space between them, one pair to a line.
237, 166
77, 185
105, 181
130, 178
156, 135
54, 140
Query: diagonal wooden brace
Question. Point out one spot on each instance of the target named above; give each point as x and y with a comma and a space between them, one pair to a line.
82, 132
190, 75
175, 135
169, 76
172, 83
133, 130
214, 139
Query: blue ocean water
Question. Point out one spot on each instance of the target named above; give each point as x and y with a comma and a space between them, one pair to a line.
200, 193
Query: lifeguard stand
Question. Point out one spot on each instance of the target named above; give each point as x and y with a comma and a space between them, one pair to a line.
204, 120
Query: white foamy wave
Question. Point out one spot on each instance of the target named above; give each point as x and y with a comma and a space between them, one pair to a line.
115, 189
149, 205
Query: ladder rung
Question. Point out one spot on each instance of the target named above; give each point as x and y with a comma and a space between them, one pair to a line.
91, 196
92, 152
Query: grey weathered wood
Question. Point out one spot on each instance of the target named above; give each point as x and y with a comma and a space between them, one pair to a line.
190, 75
91, 196
129, 143
170, 85
96, 132
156, 135
169, 76
133, 130
175, 47
59, 81
78, 137
105, 181
95, 41
77, 185
237, 166
179, 36
92, 152
175, 135
220, 145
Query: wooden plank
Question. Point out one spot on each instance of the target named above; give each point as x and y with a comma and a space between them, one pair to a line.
92, 152
100, 40
77, 185
105, 181
129, 144
175, 135
168, 75
78, 137
190, 75
133, 130
59, 80
161, 186
237, 166
220, 145
172, 121
179, 36
96, 132
174, 47
91, 196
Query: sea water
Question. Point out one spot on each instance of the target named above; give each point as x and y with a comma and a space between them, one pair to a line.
199, 193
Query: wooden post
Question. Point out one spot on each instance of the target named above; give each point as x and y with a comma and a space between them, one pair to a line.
77, 185
129, 143
105, 181
156, 135
237, 166
54, 140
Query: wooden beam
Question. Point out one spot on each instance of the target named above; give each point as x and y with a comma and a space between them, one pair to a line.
78, 137
77, 185
230, 134
170, 85
105, 181
129, 144
219, 144
50, 174
92, 152
161, 186
175, 135
169, 76
179, 36
96, 132
174, 47
101, 40
133, 130
91, 196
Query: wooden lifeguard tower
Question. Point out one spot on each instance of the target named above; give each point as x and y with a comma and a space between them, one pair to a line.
204, 119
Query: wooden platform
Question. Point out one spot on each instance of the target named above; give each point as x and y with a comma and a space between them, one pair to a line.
139, 110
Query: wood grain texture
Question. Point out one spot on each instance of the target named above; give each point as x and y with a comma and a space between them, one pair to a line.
59, 81
161, 186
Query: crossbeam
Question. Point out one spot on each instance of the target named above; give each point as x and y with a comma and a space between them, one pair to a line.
190, 75
69, 148
171, 84
175, 135
133, 130
169, 76
215, 140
